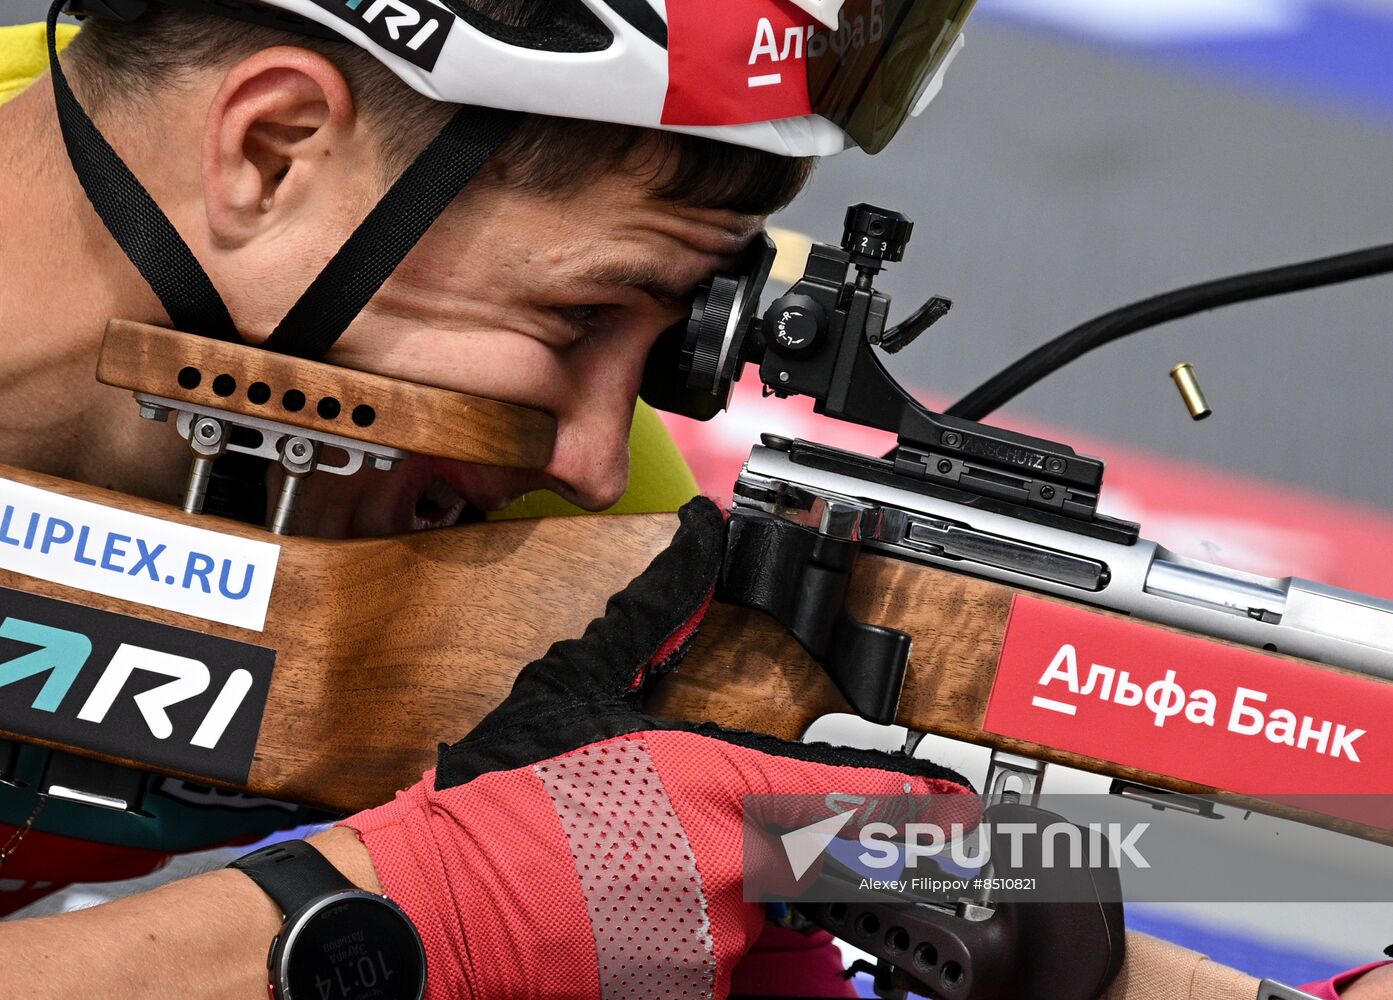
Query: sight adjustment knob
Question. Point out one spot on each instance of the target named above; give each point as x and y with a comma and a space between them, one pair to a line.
874, 236
794, 323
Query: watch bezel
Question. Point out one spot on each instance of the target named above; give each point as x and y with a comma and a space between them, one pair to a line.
297, 921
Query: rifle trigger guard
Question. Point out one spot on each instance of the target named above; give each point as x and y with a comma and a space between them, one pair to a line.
800, 575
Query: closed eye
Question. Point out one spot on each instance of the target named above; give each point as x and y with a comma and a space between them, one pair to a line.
583, 321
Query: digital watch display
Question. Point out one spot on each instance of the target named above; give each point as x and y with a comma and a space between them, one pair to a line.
338, 942
350, 946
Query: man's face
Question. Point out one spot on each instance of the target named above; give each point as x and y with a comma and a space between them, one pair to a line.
548, 302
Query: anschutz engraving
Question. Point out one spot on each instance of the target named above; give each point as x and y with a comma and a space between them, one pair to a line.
1000, 452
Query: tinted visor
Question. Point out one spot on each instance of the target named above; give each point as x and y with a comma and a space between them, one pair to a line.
867, 76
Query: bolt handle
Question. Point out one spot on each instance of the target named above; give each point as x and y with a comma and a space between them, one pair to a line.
875, 236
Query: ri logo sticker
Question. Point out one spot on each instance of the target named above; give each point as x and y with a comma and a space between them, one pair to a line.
162, 696
415, 30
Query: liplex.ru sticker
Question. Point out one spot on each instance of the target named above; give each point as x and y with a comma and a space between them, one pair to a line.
133, 557
162, 696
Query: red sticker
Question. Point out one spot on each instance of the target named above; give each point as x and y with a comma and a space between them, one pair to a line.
736, 61
1178, 705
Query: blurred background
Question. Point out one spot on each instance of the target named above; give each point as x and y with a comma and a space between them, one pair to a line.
1087, 153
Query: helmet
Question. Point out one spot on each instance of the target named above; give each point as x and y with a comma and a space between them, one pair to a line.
795, 77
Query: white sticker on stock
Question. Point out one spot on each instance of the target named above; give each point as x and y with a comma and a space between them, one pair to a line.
161, 564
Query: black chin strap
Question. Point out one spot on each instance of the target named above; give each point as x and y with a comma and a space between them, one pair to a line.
144, 233
409, 208
350, 279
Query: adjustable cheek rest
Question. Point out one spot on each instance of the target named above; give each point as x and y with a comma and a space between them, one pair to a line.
172, 370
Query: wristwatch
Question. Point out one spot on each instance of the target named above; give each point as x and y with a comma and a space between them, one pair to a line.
338, 942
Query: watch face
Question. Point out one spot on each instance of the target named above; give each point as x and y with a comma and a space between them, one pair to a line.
352, 947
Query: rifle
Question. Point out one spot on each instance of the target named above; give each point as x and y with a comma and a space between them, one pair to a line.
364, 654
385, 647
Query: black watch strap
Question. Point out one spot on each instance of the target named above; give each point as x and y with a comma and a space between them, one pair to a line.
293, 873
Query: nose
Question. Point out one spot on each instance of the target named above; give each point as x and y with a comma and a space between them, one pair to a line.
590, 461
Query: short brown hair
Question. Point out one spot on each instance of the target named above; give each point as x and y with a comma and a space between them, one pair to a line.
116, 64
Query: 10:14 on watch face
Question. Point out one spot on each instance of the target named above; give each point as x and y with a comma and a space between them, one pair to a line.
351, 947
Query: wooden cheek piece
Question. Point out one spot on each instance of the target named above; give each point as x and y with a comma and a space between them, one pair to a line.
317, 397
355, 708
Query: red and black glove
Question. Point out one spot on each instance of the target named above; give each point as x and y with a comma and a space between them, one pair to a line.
572, 845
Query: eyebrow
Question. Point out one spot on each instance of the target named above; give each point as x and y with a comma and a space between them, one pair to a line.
648, 277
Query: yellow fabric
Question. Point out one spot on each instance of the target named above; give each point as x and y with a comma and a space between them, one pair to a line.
24, 55
659, 479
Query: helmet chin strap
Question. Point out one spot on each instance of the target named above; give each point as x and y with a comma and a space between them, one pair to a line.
142, 230
354, 274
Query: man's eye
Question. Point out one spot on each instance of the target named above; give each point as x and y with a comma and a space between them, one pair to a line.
583, 320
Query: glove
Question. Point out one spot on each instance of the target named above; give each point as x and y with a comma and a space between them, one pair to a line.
572, 845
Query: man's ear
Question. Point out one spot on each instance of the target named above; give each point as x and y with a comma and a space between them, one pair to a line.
274, 124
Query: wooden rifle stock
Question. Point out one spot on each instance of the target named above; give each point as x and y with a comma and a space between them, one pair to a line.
387, 647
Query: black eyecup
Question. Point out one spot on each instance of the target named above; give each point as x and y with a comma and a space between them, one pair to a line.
666, 385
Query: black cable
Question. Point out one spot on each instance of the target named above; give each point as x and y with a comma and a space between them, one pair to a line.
1011, 381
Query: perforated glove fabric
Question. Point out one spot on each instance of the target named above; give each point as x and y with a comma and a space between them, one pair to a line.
573, 846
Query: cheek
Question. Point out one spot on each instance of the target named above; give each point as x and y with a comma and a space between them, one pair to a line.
589, 386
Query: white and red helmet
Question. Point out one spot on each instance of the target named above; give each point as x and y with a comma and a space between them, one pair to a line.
796, 77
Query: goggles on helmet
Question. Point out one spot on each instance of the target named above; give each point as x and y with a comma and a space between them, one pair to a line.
869, 83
